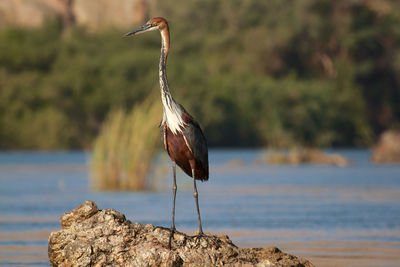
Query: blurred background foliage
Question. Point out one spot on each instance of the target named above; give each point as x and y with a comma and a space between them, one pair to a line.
276, 73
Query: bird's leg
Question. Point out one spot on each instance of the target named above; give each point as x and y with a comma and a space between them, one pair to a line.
196, 196
173, 205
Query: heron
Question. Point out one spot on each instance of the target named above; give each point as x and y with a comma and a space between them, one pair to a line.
182, 136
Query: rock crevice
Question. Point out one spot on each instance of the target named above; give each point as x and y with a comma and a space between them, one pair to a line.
93, 237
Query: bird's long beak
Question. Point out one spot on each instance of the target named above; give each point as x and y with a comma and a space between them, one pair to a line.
141, 29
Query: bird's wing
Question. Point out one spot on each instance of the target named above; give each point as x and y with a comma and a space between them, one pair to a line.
197, 144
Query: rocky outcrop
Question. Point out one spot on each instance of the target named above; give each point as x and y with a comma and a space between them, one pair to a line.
388, 148
93, 237
306, 156
29, 13
103, 13
91, 14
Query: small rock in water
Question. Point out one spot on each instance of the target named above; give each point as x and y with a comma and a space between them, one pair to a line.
304, 156
388, 148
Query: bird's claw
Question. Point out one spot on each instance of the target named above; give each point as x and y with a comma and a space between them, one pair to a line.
200, 235
209, 239
171, 235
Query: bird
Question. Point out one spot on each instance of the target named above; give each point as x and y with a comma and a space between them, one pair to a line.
182, 136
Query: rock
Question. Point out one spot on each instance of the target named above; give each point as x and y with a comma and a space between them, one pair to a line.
90, 14
28, 13
388, 148
93, 237
84, 211
104, 13
306, 156
317, 156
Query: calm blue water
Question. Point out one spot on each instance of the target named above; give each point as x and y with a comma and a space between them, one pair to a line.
248, 200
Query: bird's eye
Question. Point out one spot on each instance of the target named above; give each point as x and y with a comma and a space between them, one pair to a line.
154, 24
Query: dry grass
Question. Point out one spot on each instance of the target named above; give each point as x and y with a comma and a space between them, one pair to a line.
125, 148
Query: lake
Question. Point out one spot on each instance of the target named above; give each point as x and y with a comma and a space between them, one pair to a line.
347, 216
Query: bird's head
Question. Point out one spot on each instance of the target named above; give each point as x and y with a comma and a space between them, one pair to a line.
151, 25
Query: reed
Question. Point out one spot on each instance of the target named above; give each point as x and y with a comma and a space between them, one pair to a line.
124, 150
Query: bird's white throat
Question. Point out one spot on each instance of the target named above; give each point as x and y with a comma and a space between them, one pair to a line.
172, 114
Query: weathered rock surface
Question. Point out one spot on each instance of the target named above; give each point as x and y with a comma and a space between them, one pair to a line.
388, 148
93, 237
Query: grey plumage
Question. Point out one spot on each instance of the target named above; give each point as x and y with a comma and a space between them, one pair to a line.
198, 144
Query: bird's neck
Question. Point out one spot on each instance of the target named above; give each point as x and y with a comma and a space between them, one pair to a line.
172, 115
163, 62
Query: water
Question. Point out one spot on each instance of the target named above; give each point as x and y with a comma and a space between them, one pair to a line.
311, 211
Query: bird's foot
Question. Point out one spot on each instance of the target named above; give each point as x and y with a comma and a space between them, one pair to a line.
205, 240
171, 235
199, 235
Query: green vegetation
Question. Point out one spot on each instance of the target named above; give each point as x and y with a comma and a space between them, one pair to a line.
277, 73
124, 150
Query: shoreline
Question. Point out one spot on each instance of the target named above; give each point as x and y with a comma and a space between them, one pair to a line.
330, 253
320, 251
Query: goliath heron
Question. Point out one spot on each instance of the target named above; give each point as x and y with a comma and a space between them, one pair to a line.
183, 138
